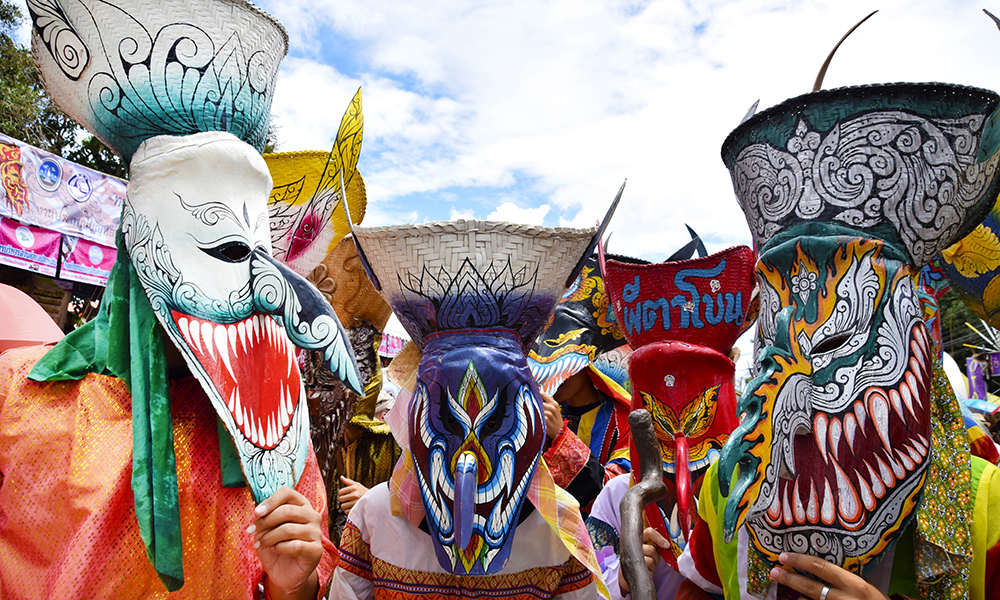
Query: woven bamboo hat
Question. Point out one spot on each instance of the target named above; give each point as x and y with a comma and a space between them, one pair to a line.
452, 275
128, 70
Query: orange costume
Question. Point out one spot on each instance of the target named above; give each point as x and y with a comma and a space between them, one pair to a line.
68, 526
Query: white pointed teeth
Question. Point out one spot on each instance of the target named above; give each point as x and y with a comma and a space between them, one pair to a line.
878, 412
819, 433
826, 513
835, 431
230, 353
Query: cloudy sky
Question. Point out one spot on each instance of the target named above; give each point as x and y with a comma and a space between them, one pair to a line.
536, 111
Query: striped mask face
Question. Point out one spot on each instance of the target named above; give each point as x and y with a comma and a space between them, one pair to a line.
476, 434
834, 446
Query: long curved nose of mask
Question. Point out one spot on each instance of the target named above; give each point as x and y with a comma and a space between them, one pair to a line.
683, 485
308, 319
466, 482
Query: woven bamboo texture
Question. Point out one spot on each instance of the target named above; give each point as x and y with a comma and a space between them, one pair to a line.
132, 65
401, 255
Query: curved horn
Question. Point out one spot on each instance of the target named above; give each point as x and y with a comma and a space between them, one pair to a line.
597, 237
826, 63
357, 243
649, 489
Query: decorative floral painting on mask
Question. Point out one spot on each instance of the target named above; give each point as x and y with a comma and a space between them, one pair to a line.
837, 424
473, 295
581, 328
682, 317
848, 194
233, 311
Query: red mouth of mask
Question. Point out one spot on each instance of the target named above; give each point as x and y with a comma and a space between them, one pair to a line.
857, 459
251, 364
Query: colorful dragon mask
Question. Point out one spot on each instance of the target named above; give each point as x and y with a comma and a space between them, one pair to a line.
682, 317
474, 295
848, 193
581, 328
183, 91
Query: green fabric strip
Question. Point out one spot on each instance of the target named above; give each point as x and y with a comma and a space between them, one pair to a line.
229, 462
97, 347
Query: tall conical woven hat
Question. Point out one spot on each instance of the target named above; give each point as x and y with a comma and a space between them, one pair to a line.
473, 274
128, 70
912, 164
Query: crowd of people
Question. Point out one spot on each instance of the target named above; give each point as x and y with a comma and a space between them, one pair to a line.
196, 437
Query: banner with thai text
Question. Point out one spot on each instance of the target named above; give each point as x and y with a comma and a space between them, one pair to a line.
85, 261
27, 247
41, 189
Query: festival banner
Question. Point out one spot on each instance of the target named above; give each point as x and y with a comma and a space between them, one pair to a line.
85, 261
27, 247
42, 189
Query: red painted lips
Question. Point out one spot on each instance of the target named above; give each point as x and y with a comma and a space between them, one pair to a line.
252, 365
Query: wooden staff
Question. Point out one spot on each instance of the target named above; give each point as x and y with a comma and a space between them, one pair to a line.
647, 490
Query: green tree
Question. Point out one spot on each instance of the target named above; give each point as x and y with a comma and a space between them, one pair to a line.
28, 114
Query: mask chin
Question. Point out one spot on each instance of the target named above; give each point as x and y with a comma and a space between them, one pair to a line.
195, 225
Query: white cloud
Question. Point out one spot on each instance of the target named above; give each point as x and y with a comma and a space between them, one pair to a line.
508, 211
461, 214
566, 98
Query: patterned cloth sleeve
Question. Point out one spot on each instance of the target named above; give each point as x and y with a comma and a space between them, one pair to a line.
353, 577
604, 525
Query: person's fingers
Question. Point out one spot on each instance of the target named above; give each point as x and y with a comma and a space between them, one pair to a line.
826, 571
654, 537
347, 482
355, 489
843, 584
308, 550
284, 495
652, 556
287, 532
286, 513
810, 588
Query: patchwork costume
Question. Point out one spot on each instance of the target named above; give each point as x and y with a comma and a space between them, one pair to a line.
471, 508
682, 318
852, 448
134, 464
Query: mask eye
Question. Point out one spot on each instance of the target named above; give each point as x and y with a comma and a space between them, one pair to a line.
832, 343
493, 423
232, 252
